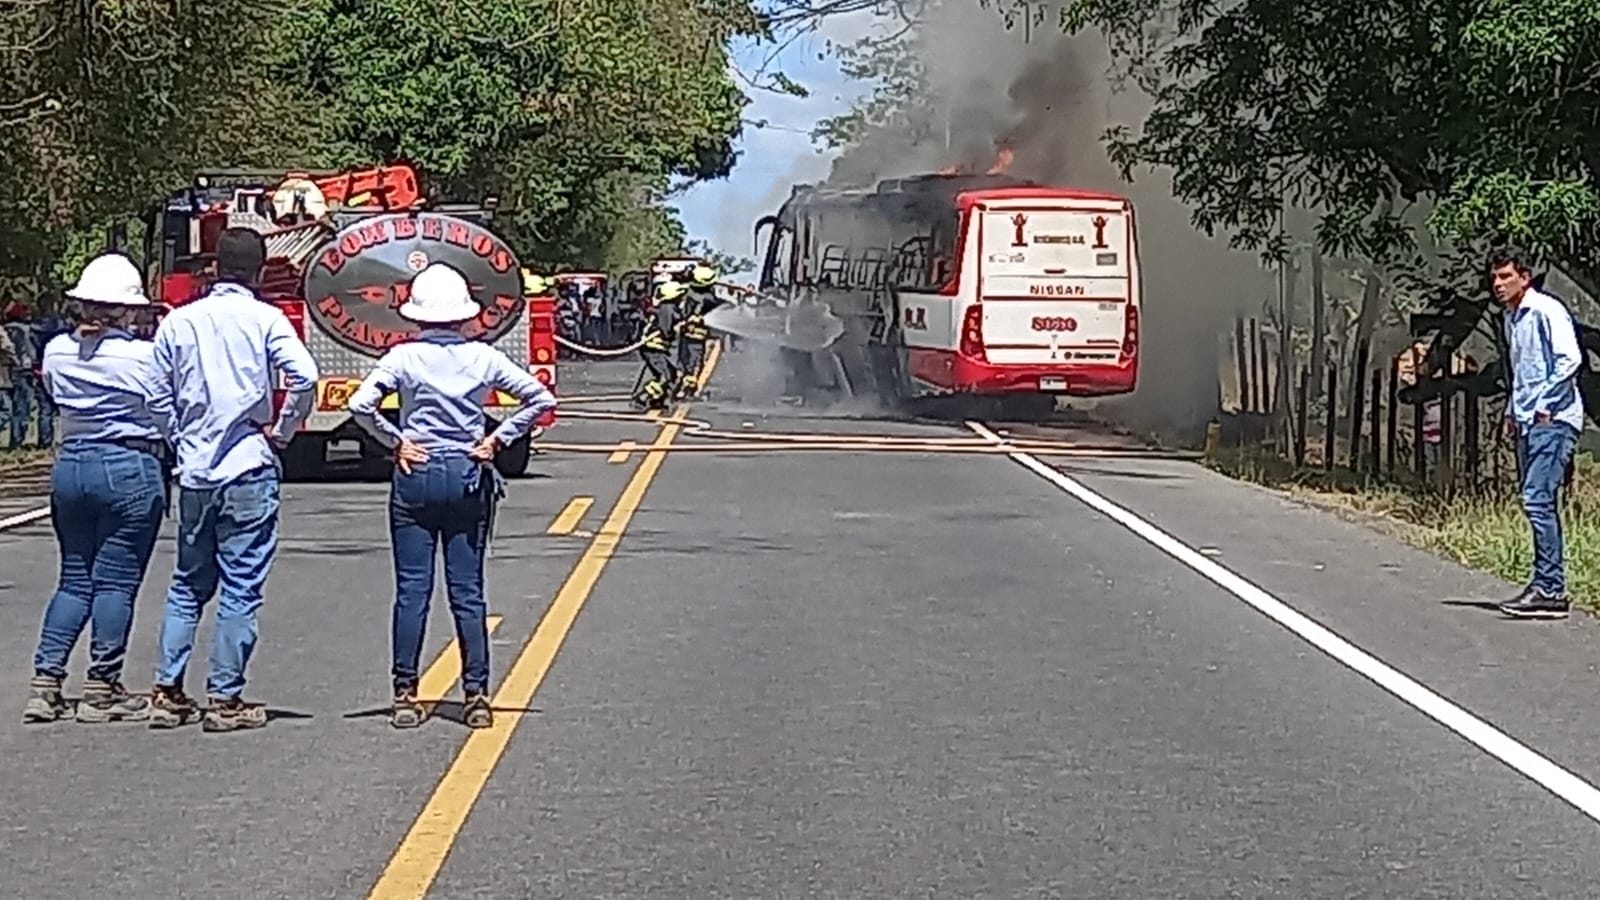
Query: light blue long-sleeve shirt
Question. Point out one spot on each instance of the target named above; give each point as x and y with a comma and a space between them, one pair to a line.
443, 380
215, 359
1545, 358
102, 385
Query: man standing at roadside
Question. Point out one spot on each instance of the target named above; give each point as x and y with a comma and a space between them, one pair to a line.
1545, 416
216, 358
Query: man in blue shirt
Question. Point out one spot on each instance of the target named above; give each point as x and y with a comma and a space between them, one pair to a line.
1544, 414
217, 357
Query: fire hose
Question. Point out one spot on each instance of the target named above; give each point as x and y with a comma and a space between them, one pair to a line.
598, 351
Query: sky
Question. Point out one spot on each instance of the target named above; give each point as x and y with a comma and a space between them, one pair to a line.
724, 212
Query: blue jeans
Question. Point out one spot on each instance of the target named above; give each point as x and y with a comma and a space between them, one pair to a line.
227, 536
20, 406
106, 503
448, 500
1543, 452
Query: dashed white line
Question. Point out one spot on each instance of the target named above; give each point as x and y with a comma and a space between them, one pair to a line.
32, 515
1584, 796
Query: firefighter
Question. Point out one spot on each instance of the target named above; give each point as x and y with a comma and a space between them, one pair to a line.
659, 379
692, 347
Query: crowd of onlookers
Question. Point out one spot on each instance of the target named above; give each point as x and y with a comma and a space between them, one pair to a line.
598, 316
27, 416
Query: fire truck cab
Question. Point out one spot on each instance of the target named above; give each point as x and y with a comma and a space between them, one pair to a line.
342, 248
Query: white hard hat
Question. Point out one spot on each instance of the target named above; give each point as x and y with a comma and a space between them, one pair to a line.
110, 278
440, 294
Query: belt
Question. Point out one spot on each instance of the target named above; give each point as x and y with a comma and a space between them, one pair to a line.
151, 446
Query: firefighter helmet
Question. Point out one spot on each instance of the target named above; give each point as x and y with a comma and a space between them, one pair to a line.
704, 276
668, 291
533, 284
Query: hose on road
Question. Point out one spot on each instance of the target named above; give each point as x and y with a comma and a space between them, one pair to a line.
599, 351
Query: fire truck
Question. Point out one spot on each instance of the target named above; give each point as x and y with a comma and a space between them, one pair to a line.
981, 287
342, 248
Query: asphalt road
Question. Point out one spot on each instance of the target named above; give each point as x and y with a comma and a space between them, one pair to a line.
850, 673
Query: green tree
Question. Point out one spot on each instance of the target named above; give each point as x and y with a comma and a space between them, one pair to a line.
563, 109
105, 105
1357, 109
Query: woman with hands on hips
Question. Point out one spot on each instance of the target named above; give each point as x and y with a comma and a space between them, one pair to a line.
445, 485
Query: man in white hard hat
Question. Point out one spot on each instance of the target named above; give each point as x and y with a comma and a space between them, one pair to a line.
216, 358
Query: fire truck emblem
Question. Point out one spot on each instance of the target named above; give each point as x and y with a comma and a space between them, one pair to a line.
1019, 220
1099, 223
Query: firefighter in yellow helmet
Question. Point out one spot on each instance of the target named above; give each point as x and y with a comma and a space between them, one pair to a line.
702, 299
659, 379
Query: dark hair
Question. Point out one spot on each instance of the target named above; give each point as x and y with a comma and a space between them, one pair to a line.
241, 253
1501, 257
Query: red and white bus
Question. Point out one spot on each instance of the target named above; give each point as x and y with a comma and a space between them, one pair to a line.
985, 286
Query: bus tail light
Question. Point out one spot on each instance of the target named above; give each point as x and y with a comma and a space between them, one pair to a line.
972, 333
1130, 331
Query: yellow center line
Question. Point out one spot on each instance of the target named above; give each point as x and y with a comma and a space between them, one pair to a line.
446, 669
620, 455
567, 521
416, 863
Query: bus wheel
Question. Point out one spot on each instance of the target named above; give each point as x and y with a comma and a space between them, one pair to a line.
512, 460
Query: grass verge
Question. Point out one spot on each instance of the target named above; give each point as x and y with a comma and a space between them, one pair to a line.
1485, 532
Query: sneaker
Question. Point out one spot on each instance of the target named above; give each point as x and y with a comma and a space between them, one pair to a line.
407, 712
476, 712
170, 707
233, 714
109, 701
45, 703
1535, 604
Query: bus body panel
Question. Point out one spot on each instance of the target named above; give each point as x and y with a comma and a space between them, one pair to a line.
1057, 315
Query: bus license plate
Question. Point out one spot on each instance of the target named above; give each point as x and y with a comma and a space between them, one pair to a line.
1052, 383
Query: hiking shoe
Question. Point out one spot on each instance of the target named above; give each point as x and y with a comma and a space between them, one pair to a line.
109, 701
45, 703
407, 712
476, 712
233, 714
170, 707
1534, 604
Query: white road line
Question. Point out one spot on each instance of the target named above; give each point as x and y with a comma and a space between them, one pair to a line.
1569, 787
32, 515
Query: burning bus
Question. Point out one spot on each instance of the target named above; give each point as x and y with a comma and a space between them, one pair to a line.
980, 286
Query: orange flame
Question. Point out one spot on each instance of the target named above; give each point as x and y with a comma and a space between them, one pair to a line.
1002, 161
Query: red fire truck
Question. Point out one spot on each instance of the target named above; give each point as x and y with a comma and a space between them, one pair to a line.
342, 248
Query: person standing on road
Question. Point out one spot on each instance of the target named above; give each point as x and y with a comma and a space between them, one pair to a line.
215, 359
1545, 416
107, 494
445, 486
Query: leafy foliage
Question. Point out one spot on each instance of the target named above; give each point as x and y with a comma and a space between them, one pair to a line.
575, 113
1359, 108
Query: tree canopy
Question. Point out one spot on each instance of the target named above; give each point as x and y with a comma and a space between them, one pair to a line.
578, 115
1358, 109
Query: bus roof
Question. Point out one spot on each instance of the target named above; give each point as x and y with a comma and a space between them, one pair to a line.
966, 199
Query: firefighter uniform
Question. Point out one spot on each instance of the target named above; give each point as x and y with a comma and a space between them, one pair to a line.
692, 346
659, 379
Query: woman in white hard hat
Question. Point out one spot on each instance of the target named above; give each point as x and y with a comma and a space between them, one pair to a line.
107, 493
445, 485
